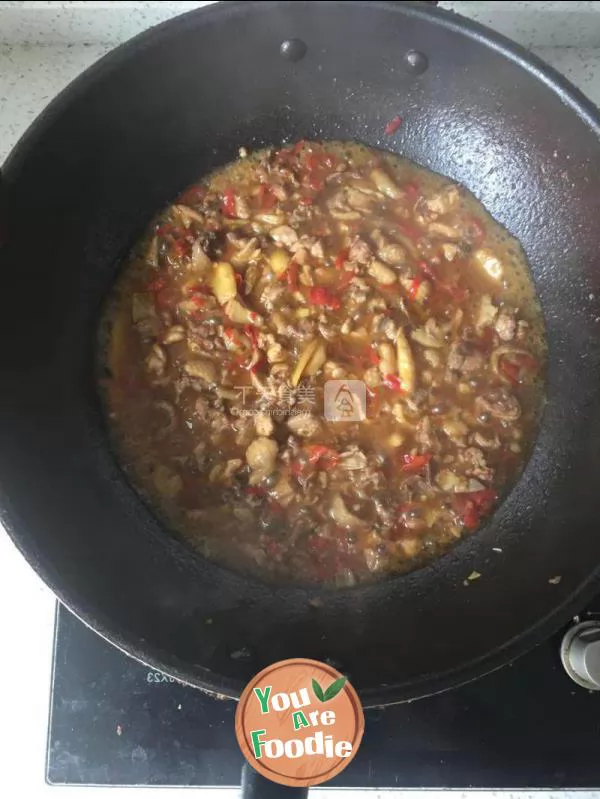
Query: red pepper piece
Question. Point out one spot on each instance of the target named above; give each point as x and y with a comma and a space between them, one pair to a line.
319, 295
412, 232
392, 126
415, 285
266, 198
157, 284
474, 230
412, 191
320, 455
393, 382
228, 203
472, 506
252, 332
345, 279
516, 367
292, 275
342, 257
411, 464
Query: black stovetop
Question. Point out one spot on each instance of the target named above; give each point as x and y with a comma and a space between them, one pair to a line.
115, 722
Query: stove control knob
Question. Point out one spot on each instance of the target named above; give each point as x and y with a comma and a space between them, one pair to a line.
580, 654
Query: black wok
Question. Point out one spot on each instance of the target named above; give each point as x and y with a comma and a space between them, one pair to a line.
124, 139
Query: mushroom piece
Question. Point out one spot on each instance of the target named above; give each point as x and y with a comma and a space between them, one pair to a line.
174, 334
342, 516
382, 273
500, 403
385, 184
201, 369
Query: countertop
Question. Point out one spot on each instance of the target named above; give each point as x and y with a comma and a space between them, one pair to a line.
43, 46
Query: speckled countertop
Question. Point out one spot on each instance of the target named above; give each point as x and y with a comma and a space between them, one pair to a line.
43, 46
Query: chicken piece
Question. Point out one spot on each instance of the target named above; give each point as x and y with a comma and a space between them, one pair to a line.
352, 459
449, 251
440, 230
475, 464
506, 326
487, 313
500, 403
270, 294
261, 456
264, 424
485, 259
304, 425
388, 251
433, 358
339, 209
489, 441
242, 209
317, 250
359, 200
359, 251
284, 235
444, 201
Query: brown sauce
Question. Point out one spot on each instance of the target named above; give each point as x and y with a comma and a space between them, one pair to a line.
285, 270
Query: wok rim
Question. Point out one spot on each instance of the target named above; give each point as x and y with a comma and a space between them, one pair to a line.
109, 628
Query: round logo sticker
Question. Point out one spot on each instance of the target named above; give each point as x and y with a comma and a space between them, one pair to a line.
299, 722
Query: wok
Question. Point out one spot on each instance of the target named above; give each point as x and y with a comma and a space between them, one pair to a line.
124, 139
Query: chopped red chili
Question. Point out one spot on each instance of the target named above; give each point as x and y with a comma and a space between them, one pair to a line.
392, 126
229, 204
393, 382
341, 258
319, 295
414, 463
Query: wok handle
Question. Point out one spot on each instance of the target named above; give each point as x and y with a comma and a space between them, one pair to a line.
255, 786
3, 213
